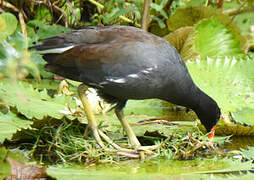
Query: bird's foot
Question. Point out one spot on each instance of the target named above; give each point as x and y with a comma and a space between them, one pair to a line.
99, 135
143, 152
135, 151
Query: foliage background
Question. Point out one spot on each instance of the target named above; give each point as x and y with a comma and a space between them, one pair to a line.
215, 40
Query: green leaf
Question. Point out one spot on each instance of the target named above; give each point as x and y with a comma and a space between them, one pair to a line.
31, 35
230, 83
159, 21
155, 29
244, 21
150, 107
115, 13
3, 35
151, 169
40, 62
193, 15
160, 8
178, 37
2, 24
211, 39
230, 166
6, 171
34, 104
248, 153
10, 123
11, 23
15, 58
46, 31
43, 14
73, 13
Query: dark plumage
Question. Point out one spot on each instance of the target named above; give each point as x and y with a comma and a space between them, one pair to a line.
124, 63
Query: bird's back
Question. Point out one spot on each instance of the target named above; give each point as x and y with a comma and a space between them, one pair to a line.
121, 61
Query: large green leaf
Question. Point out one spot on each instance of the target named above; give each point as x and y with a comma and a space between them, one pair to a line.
151, 169
32, 103
193, 15
210, 38
178, 37
11, 123
150, 107
248, 153
231, 84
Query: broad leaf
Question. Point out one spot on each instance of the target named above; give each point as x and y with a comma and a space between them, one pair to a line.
248, 153
151, 169
211, 39
189, 16
178, 37
34, 104
10, 123
231, 84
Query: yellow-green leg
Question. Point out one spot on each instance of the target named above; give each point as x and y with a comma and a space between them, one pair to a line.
92, 124
98, 134
131, 135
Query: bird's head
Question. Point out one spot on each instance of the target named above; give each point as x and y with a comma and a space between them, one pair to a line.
209, 113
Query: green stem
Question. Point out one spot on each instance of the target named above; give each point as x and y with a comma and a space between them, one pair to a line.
99, 5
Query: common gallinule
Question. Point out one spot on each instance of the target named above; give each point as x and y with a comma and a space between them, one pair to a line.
123, 63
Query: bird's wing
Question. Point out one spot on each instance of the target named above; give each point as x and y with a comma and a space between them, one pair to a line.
89, 35
95, 46
103, 52
93, 55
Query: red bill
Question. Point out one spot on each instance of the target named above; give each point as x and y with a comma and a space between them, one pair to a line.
212, 132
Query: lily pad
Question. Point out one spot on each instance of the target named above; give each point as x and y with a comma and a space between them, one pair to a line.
34, 104
194, 14
210, 38
10, 123
151, 169
231, 84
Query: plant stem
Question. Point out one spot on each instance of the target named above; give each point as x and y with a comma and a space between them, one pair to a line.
231, 12
99, 5
145, 16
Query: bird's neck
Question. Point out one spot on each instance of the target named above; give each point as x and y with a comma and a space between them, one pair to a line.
192, 99
199, 101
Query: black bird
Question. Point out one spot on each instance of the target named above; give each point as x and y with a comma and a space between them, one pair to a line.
123, 63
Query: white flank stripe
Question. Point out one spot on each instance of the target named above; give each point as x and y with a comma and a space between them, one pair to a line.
133, 75
120, 80
56, 50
